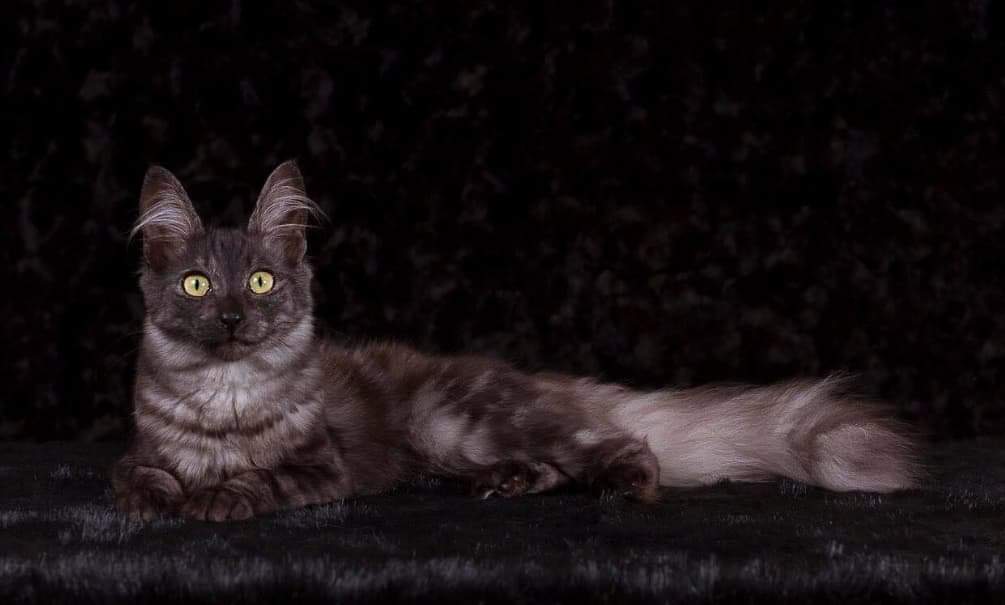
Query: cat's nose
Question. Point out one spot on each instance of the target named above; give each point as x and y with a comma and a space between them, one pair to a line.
230, 319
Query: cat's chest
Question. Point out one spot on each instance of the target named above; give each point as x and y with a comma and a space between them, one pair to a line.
230, 419
224, 393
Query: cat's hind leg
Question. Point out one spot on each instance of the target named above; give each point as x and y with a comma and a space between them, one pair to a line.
472, 418
633, 472
623, 464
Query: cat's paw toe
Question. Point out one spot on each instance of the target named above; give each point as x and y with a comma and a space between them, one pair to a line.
143, 504
515, 484
138, 506
507, 479
230, 506
218, 504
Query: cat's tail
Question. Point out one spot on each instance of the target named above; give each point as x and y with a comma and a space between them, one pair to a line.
809, 430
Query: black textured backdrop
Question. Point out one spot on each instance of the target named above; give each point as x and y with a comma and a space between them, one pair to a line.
656, 192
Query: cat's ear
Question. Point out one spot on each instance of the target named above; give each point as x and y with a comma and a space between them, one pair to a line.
283, 211
167, 218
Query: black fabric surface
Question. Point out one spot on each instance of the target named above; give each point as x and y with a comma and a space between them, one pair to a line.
60, 541
659, 192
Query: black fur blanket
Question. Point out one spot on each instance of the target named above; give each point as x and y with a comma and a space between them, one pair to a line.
61, 541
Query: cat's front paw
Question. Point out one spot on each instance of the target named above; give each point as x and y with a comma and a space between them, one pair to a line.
150, 493
218, 504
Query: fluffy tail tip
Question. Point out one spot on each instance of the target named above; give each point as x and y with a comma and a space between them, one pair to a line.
872, 456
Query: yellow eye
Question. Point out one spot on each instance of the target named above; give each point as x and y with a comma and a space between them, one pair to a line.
261, 282
196, 285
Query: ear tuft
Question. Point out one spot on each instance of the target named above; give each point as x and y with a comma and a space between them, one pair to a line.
167, 218
284, 211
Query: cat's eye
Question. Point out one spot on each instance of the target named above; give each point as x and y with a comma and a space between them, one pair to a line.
195, 284
261, 282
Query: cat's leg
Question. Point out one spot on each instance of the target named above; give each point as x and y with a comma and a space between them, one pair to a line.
262, 491
470, 417
583, 447
145, 490
623, 464
628, 466
312, 474
551, 447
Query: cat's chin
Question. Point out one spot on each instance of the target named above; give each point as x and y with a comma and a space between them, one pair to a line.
233, 350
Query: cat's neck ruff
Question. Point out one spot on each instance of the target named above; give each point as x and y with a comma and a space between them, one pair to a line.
220, 394
180, 358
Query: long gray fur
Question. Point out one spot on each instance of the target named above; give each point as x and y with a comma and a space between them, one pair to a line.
238, 419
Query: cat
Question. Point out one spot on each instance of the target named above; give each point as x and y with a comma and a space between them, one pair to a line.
241, 410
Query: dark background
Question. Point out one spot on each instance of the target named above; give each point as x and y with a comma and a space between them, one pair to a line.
654, 192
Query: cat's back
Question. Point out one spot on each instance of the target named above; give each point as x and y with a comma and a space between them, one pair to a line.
372, 379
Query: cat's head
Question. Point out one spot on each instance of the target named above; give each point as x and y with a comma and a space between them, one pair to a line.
227, 292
